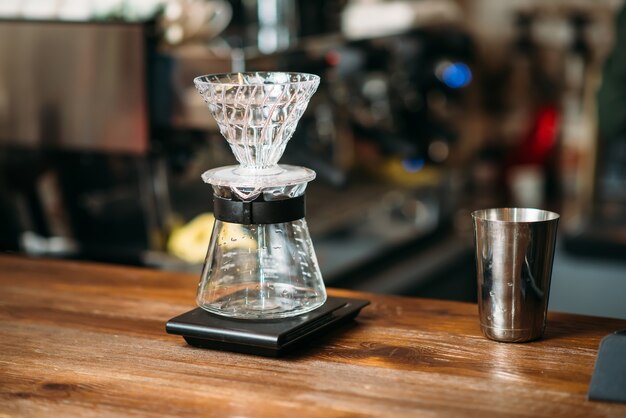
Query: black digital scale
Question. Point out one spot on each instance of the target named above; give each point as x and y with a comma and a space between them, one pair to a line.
271, 338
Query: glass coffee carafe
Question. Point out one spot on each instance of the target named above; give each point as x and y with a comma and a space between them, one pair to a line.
260, 262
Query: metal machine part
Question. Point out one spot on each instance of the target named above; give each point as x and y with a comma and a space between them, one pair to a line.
78, 86
75, 127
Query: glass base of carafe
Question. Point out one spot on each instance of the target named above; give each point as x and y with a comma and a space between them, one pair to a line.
269, 301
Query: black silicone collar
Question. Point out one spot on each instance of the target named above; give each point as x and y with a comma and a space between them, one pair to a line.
258, 211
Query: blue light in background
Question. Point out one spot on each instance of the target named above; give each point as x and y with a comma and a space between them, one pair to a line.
413, 165
456, 75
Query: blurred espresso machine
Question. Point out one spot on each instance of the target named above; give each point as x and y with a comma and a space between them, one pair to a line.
77, 172
102, 135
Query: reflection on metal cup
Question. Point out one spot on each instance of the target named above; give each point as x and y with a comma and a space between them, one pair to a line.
514, 254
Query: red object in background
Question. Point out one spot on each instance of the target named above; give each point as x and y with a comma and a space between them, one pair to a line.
537, 147
332, 58
534, 155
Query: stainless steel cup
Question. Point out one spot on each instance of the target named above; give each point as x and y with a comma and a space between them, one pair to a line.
514, 254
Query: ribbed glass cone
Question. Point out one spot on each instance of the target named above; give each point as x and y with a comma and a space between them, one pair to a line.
261, 271
257, 112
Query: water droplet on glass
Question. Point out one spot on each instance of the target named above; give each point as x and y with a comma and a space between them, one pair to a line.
492, 293
233, 239
509, 284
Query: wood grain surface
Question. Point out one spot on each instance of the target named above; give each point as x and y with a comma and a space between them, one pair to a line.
80, 339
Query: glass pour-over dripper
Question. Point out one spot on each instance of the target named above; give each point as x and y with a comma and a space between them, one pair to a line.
260, 263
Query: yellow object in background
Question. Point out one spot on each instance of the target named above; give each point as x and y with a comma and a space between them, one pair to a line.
190, 241
392, 169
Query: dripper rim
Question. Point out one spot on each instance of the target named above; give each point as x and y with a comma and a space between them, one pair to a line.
201, 79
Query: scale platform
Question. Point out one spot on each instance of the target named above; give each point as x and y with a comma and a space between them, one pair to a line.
271, 338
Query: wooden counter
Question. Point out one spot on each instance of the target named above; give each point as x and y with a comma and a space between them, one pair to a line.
79, 339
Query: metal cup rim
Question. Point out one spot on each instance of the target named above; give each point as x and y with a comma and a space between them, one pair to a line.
539, 215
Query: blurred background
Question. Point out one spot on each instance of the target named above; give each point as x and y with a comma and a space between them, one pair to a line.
427, 110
